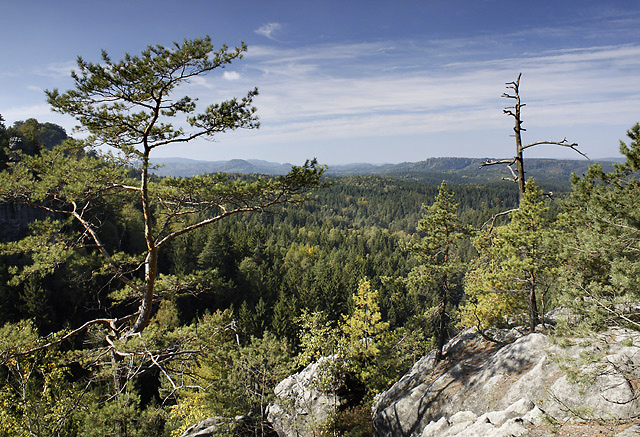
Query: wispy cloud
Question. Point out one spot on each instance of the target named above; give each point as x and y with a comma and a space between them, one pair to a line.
200, 82
268, 30
349, 92
423, 93
40, 112
57, 70
333, 79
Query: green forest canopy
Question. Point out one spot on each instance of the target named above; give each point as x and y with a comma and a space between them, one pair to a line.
262, 271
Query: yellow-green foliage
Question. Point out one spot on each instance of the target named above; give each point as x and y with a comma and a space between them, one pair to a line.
318, 338
489, 303
192, 408
198, 399
365, 335
37, 395
485, 308
364, 327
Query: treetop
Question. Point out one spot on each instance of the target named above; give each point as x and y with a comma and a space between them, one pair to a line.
128, 104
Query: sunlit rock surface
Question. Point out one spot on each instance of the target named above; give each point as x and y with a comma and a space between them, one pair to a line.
485, 388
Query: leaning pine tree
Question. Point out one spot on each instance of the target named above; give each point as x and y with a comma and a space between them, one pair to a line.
133, 107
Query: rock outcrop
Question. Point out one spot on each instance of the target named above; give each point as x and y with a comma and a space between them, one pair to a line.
303, 408
488, 389
218, 426
207, 428
15, 219
513, 421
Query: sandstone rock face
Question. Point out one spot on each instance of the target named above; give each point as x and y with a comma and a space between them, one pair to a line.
15, 219
509, 422
489, 389
206, 428
303, 408
217, 426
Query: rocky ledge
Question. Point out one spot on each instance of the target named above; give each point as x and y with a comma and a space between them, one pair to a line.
514, 386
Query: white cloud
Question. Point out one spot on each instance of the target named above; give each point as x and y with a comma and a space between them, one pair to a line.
22, 112
353, 95
295, 88
231, 75
268, 30
199, 82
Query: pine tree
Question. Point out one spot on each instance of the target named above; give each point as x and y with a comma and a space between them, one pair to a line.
131, 107
440, 266
600, 273
515, 265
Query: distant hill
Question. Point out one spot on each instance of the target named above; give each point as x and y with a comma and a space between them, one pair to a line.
190, 167
432, 170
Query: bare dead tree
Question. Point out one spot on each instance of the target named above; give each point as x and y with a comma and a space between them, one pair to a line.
517, 173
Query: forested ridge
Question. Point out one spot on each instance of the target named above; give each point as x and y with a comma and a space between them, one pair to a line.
136, 304
431, 170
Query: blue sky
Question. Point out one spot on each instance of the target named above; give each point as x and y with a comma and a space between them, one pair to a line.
359, 81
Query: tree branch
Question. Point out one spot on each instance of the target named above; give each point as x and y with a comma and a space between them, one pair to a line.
495, 217
562, 143
110, 322
94, 236
608, 309
488, 162
208, 221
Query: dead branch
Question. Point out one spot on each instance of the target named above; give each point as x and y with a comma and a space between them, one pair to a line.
159, 366
484, 334
109, 322
501, 161
513, 174
509, 163
563, 143
495, 217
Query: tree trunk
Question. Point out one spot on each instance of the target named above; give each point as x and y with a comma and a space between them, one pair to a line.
151, 260
442, 329
151, 271
519, 161
517, 128
533, 309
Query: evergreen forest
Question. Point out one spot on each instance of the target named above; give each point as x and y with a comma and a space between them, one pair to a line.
137, 304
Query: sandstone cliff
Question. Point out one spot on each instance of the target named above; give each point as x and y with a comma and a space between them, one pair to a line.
489, 389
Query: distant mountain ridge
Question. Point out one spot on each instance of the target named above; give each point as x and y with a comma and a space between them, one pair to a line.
182, 167
454, 170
